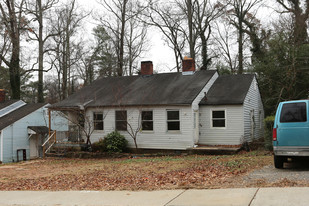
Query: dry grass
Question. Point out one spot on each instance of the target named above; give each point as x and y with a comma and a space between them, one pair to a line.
193, 171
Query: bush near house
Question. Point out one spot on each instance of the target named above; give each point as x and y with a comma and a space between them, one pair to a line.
114, 142
268, 130
98, 146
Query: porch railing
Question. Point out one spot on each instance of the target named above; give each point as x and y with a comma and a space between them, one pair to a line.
51, 140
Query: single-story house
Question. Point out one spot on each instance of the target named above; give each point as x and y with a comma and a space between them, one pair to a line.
170, 110
19, 123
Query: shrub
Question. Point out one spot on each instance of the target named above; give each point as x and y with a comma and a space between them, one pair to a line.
268, 130
98, 146
115, 142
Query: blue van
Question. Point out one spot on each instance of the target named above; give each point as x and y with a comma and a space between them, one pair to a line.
291, 131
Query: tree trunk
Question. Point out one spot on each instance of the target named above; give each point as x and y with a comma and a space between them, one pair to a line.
122, 33
41, 53
205, 59
14, 63
190, 25
14, 71
240, 46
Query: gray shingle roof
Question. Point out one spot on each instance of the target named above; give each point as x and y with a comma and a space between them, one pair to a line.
7, 103
228, 89
157, 89
18, 114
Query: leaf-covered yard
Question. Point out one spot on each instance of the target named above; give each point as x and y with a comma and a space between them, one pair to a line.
141, 173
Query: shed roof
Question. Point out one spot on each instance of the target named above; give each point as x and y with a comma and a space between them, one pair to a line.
228, 90
18, 114
157, 89
39, 129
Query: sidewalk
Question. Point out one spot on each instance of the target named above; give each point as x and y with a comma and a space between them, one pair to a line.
242, 197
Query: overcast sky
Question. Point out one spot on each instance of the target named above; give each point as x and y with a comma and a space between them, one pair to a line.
161, 55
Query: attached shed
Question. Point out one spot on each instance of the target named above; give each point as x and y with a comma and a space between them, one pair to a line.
14, 136
37, 135
232, 111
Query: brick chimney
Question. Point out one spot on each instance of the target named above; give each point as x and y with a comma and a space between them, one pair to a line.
188, 65
146, 68
2, 95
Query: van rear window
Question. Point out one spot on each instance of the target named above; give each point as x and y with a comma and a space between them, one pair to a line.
293, 112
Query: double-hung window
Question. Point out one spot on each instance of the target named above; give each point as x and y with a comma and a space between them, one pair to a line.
147, 120
173, 120
218, 118
121, 120
98, 121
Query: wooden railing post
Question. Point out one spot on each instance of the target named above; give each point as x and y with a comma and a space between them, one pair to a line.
44, 151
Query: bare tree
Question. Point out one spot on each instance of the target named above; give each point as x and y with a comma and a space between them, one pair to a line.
84, 121
41, 33
126, 32
205, 13
300, 18
13, 19
135, 38
224, 38
187, 8
116, 24
66, 52
166, 18
238, 11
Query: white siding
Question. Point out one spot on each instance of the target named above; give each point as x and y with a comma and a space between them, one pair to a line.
233, 132
200, 96
252, 102
15, 136
195, 106
159, 138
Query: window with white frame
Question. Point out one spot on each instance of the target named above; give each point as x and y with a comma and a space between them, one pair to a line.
98, 121
173, 120
147, 120
121, 120
218, 118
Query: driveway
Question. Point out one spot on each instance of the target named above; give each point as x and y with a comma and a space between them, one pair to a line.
294, 174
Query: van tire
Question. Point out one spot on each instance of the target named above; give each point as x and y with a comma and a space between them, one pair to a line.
278, 161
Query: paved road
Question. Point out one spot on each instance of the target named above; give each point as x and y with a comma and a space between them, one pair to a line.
240, 197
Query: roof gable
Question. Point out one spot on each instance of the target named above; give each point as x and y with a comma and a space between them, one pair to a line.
157, 89
228, 89
18, 114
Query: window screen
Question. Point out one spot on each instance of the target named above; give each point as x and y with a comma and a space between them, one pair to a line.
173, 122
293, 112
98, 121
147, 120
121, 120
218, 118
